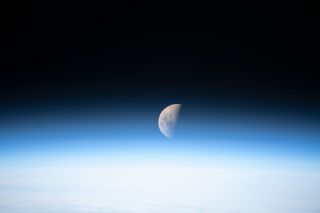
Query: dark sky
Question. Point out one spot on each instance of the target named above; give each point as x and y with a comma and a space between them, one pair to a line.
229, 55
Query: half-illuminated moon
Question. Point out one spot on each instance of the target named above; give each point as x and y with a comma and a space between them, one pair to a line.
168, 119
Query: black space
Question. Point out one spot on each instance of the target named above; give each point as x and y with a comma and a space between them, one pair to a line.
234, 55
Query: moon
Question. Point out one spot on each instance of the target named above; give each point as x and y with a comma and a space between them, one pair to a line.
168, 119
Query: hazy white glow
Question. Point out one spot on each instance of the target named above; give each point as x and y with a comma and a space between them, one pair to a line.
160, 189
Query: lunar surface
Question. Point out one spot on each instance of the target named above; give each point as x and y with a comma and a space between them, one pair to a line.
168, 119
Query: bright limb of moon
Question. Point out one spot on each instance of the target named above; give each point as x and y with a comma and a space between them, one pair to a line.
168, 119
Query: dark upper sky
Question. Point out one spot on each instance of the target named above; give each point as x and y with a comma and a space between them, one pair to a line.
234, 55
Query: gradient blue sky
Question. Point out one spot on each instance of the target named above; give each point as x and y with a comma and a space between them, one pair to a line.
134, 132
117, 161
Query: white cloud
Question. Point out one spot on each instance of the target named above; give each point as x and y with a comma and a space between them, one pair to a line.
160, 189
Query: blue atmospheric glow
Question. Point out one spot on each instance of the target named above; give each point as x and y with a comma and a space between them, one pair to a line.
117, 162
136, 133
